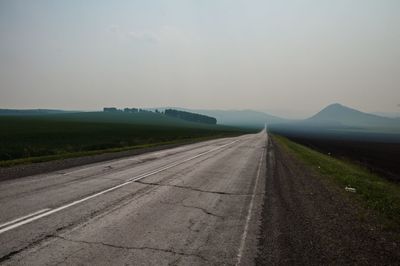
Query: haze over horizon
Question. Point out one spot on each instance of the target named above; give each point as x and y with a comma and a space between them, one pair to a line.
290, 58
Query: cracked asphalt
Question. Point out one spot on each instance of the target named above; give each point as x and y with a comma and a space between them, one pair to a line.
194, 213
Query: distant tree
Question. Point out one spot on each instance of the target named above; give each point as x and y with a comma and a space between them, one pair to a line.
144, 111
110, 109
130, 110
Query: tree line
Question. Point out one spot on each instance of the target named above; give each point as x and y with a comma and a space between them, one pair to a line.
192, 117
187, 116
125, 110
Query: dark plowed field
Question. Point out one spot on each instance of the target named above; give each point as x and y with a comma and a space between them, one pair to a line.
381, 158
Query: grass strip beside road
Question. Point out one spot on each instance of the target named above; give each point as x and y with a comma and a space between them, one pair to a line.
375, 193
39, 159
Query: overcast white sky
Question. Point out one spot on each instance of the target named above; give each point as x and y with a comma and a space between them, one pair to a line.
289, 57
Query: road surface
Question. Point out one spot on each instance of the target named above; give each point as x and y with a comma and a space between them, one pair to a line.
193, 205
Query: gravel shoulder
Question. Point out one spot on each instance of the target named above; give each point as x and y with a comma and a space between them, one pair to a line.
308, 221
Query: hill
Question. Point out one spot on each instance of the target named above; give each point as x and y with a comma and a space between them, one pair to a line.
191, 117
238, 118
139, 118
337, 121
32, 111
340, 115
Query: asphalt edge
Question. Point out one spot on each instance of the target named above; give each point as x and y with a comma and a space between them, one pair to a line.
19, 171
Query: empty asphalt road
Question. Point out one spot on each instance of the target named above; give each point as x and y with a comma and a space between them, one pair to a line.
197, 204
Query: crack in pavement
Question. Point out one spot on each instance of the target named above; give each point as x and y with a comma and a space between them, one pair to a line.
190, 226
174, 262
171, 251
193, 207
192, 188
16, 252
68, 256
97, 213
203, 210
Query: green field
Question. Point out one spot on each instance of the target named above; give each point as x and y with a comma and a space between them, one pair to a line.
373, 192
25, 139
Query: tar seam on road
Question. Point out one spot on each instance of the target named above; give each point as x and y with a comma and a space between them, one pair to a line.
249, 212
46, 212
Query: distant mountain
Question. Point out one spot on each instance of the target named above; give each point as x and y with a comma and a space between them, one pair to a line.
388, 114
342, 123
340, 115
242, 118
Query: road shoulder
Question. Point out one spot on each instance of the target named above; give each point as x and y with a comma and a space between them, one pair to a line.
306, 221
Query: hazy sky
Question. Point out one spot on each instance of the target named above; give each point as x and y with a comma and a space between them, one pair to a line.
282, 56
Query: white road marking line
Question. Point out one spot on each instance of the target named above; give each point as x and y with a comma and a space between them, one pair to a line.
130, 158
175, 164
23, 217
46, 212
249, 212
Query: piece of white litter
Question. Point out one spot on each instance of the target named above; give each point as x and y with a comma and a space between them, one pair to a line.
350, 189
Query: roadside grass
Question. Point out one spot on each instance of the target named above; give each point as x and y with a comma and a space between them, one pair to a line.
373, 192
39, 159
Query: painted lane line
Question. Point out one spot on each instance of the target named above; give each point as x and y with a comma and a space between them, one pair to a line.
46, 212
249, 212
178, 163
24, 217
130, 158
61, 208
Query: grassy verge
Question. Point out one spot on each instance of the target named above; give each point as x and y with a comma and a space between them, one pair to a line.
374, 192
39, 159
